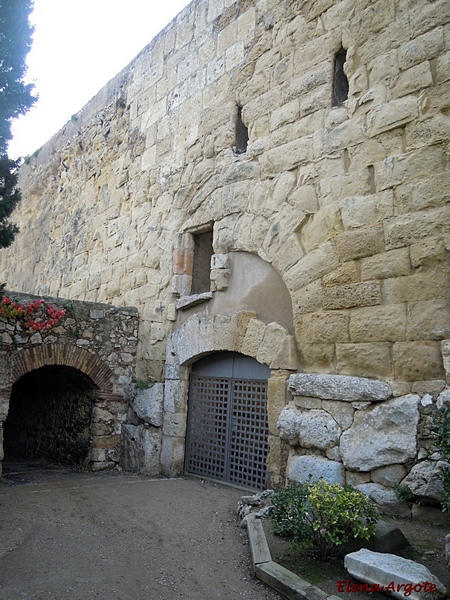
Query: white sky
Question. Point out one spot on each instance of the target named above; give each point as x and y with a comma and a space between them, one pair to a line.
77, 48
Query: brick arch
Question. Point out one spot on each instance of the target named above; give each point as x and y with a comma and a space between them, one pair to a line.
36, 357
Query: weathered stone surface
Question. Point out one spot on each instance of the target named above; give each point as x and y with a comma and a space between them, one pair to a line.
313, 468
355, 294
388, 476
378, 323
339, 387
383, 435
358, 243
443, 398
141, 449
309, 429
423, 480
391, 571
368, 360
148, 404
417, 361
384, 498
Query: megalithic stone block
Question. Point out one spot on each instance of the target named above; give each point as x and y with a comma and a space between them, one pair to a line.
397, 576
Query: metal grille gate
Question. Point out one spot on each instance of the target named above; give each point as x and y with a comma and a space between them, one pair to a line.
227, 429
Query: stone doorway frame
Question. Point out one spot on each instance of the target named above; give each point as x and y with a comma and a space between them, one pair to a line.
32, 358
245, 334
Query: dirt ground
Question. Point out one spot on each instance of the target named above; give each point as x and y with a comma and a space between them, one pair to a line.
117, 536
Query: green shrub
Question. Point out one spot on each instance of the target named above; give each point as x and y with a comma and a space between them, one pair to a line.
141, 384
404, 494
323, 515
442, 443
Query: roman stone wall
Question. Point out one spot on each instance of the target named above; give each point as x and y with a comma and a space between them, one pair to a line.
347, 203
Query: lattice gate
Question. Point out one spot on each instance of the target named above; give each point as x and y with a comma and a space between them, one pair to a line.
227, 421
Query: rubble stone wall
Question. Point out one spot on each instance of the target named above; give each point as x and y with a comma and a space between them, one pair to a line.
348, 202
97, 340
352, 430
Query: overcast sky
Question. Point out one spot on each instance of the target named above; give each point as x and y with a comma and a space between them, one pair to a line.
78, 47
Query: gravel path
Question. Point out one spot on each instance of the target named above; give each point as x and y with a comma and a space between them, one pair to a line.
118, 536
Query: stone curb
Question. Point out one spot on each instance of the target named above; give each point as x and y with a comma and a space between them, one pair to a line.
284, 581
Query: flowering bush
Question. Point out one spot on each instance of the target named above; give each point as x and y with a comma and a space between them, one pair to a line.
322, 514
36, 315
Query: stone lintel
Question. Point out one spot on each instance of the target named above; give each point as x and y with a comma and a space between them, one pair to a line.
188, 301
339, 387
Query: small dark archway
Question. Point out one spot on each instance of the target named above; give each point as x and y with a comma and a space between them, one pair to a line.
49, 416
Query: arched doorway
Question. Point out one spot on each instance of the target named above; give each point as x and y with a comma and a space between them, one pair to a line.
49, 417
227, 429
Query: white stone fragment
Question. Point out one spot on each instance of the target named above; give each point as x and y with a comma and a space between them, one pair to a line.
400, 577
426, 400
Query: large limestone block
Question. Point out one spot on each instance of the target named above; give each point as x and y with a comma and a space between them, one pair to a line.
148, 404
378, 323
313, 266
339, 387
359, 243
287, 156
352, 295
369, 360
310, 429
321, 327
392, 115
417, 361
384, 435
399, 576
312, 468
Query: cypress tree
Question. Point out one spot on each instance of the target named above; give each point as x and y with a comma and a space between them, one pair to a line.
16, 98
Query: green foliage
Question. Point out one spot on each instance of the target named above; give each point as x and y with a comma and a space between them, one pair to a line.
404, 494
141, 384
442, 443
28, 157
16, 97
9, 198
323, 515
74, 118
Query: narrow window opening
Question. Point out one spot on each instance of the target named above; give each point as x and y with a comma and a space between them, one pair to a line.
203, 251
241, 134
340, 81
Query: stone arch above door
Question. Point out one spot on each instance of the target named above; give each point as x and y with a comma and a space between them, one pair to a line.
35, 357
242, 332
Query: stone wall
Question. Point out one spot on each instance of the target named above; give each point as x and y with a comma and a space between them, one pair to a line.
346, 201
352, 430
95, 343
